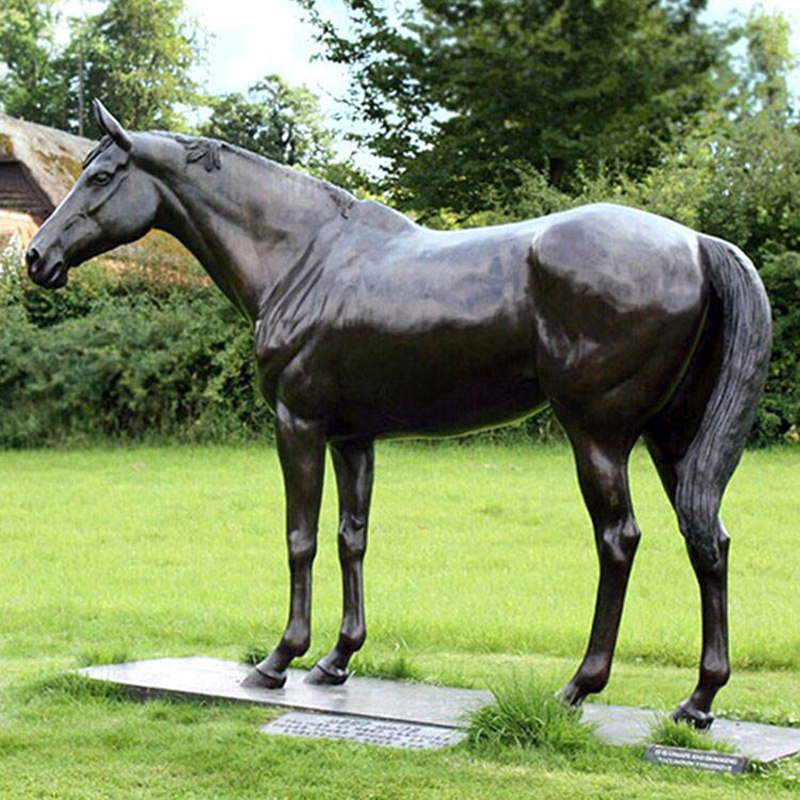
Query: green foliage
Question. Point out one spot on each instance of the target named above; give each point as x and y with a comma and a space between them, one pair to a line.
763, 85
276, 120
679, 734
137, 55
28, 55
283, 123
779, 413
113, 358
460, 94
527, 713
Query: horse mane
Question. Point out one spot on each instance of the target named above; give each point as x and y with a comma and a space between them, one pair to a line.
208, 152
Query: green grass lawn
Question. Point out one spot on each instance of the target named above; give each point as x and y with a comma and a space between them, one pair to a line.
480, 564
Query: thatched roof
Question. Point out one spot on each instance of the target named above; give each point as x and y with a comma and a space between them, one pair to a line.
52, 158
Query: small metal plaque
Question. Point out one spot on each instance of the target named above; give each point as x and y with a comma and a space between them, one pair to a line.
698, 759
385, 733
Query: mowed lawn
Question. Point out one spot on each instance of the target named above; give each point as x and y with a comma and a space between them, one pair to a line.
480, 564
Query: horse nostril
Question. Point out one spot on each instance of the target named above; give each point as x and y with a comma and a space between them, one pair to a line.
31, 257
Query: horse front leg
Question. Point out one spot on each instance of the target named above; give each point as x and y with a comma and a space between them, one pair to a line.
301, 450
354, 464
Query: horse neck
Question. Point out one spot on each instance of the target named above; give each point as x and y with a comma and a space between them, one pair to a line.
246, 220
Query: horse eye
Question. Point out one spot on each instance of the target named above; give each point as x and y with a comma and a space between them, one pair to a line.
100, 179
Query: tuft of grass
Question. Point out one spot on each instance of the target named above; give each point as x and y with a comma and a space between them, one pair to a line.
680, 734
527, 713
397, 667
96, 658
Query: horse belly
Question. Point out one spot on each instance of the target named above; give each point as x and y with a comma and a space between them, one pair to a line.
441, 385
462, 410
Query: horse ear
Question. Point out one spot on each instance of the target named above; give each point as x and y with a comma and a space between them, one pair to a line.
109, 124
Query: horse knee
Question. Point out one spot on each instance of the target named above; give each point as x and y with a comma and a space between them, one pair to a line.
618, 543
593, 675
302, 548
352, 537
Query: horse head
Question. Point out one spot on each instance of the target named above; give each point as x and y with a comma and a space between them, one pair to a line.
112, 203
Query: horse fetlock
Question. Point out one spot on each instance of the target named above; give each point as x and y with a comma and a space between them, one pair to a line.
592, 683
295, 643
583, 684
295, 647
593, 674
714, 674
352, 640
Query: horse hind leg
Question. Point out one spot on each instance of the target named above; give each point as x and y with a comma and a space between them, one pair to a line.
603, 476
696, 499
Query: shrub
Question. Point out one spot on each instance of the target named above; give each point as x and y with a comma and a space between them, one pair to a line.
122, 358
779, 413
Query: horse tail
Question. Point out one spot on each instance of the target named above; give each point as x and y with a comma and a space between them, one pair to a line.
717, 446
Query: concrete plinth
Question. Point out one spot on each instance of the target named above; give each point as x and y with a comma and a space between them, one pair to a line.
410, 703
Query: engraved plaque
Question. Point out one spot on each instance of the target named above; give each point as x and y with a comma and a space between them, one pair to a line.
385, 733
698, 759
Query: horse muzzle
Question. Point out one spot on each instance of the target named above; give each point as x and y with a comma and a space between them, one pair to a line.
49, 272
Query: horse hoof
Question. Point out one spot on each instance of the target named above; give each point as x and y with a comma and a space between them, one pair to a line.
264, 679
686, 712
327, 676
571, 696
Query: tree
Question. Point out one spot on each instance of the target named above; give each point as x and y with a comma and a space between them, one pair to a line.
462, 95
762, 85
284, 123
29, 82
736, 173
277, 120
136, 55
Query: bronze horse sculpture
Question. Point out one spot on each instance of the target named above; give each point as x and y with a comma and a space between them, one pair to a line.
368, 325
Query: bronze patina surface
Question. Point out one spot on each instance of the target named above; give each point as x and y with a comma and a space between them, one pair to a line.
367, 325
